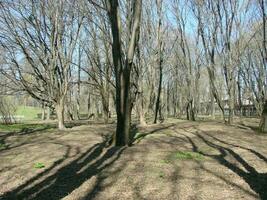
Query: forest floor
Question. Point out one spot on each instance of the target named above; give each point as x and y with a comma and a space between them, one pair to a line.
174, 160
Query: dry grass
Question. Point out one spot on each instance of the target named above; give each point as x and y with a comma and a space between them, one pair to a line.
175, 160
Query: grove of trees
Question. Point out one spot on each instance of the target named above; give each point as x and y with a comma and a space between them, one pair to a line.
146, 60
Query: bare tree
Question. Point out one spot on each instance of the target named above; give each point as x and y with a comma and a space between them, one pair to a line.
123, 67
263, 123
40, 38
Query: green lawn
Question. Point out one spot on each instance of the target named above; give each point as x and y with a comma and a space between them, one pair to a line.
29, 113
23, 127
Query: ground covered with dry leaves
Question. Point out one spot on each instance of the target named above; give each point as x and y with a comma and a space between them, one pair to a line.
173, 160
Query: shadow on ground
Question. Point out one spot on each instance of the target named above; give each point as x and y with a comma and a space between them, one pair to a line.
137, 134
257, 181
24, 131
69, 177
95, 162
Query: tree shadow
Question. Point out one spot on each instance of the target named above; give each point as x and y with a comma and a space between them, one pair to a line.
31, 129
257, 181
100, 184
68, 177
136, 137
256, 129
259, 155
24, 131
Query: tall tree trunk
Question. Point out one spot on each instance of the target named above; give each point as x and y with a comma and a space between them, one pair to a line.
123, 68
159, 93
88, 101
78, 85
190, 113
123, 111
263, 123
159, 55
60, 114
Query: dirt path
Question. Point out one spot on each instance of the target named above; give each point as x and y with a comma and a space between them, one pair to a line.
183, 160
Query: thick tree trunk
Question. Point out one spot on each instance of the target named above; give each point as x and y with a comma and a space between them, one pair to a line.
123, 111
60, 114
190, 113
263, 123
123, 68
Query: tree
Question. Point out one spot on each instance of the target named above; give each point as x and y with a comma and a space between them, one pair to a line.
160, 49
123, 66
40, 38
263, 123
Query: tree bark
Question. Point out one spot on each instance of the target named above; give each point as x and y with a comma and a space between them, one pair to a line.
159, 93
190, 113
60, 114
263, 123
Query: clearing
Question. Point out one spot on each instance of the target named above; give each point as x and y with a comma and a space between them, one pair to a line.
174, 160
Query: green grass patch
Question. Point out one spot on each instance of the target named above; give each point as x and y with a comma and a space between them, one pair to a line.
39, 165
23, 127
183, 155
28, 112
